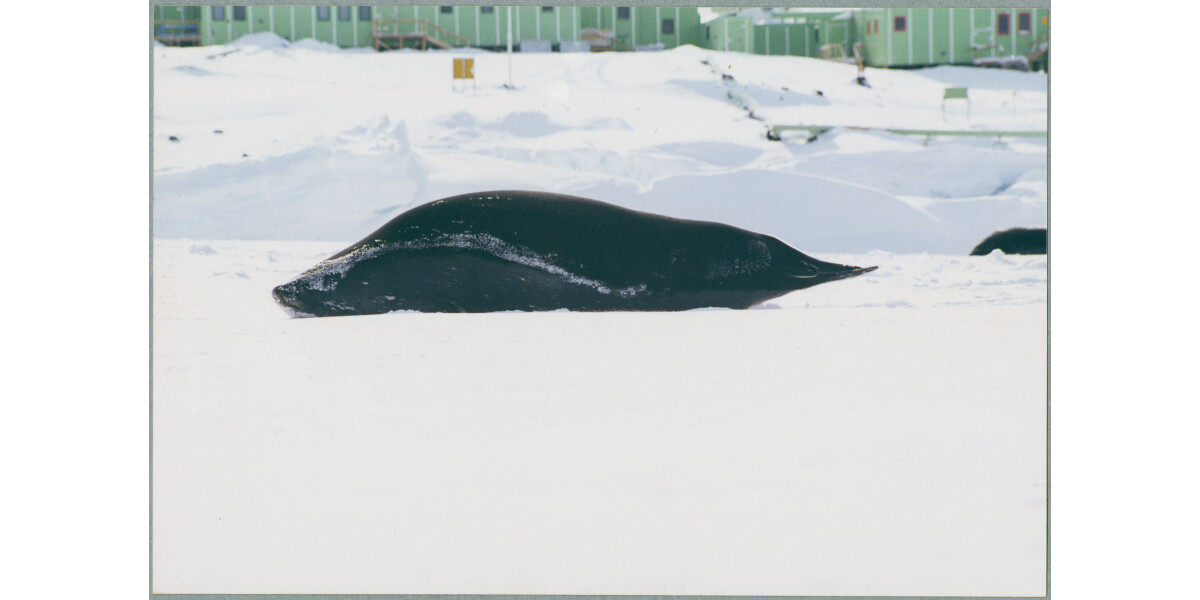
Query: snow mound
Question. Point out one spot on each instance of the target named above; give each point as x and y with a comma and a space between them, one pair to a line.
192, 70
311, 45
262, 41
992, 79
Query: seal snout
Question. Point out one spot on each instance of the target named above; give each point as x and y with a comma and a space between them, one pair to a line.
281, 296
285, 296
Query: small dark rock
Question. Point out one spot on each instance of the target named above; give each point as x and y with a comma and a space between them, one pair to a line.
173, 138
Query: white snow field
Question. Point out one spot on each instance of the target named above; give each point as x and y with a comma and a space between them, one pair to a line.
884, 435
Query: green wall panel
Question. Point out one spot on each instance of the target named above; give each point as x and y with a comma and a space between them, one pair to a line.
281, 21
260, 18
493, 27
939, 34
645, 25
919, 36
960, 29
363, 38
238, 27
323, 28
343, 26
305, 17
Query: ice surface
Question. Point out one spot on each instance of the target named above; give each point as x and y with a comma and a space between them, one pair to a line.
881, 435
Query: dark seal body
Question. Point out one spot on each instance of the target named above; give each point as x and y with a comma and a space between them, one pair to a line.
1013, 241
533, 251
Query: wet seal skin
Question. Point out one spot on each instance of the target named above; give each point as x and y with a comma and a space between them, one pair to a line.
1017, 240
536, 251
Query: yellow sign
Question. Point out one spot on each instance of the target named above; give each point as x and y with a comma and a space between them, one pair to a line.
464, 68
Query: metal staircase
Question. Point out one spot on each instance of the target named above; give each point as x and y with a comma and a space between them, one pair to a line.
393, 34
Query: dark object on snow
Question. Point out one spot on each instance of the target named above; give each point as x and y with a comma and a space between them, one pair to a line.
773, 135
173, 138
1013, 241
218, 131
534, 251
862, 80
820, 93
726, 77
244, 155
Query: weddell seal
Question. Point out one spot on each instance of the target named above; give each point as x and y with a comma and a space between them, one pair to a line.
535, 251
1017, 240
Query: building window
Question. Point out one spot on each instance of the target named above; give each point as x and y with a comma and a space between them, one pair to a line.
218, 13
668, 26
623, 13
447, 9
876, 25
364, 13
1002, 24
343, 13
547, 9
322, 13
900, 24
1024, 20
487, 9
239, 13
817, 35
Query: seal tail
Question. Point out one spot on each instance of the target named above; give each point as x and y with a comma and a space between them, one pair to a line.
847, 272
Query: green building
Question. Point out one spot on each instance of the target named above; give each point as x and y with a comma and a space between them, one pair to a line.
890, 37
830, 29
645, 27
730, 33
915, 37
782, 32
879, 37
392, 27
345, 26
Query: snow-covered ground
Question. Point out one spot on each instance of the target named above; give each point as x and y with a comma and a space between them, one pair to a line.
878, 436
316, 143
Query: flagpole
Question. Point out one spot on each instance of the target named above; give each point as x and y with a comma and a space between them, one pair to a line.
510, 84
